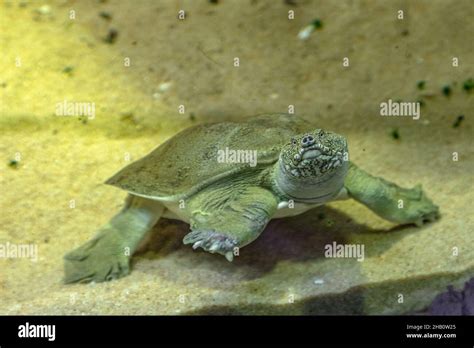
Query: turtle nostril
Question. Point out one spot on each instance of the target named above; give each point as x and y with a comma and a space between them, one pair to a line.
307, 141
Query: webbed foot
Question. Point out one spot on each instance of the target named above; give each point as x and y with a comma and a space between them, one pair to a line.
100, 259
415, 207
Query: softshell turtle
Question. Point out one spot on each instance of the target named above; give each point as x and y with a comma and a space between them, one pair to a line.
206, 177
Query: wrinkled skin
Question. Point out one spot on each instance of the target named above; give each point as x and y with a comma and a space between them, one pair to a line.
314, 154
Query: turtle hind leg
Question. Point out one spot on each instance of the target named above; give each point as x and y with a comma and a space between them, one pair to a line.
389, 201
107, 255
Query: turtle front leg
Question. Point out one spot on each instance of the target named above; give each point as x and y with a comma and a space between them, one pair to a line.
107, 255
227, 218
389, 201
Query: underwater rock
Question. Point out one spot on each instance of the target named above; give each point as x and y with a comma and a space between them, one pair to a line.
454, 302
468, 305
447, 303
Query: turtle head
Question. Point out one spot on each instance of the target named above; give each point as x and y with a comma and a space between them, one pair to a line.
315, 154
314, 160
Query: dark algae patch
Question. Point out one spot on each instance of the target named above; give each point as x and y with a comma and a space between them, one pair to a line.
446, 90
468, 85
458, 121
83, 119
13, 163
395, 134
105, 15
68, 70
317, 24
111, 36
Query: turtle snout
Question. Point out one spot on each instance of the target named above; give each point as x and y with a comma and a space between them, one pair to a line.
307, 140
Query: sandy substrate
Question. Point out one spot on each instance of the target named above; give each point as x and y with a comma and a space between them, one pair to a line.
65, 159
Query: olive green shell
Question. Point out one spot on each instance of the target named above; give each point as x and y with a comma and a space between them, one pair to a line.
188, 161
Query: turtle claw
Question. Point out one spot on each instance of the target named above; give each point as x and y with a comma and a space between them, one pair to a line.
196, 245
212, 242
420, 209
229, 256
428, 217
